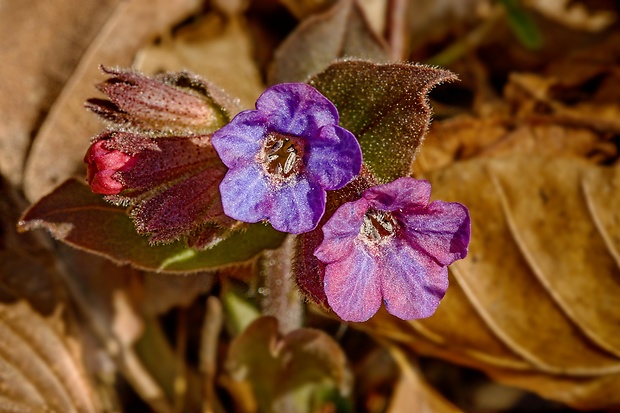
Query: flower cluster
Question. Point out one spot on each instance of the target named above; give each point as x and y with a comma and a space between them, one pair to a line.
275, 164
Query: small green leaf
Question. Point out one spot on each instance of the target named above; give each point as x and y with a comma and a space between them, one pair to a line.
288, 373
385, 106
76, 216
522, 24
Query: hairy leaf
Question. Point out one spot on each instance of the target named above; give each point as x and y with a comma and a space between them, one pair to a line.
386, 108
80, 218
340, 32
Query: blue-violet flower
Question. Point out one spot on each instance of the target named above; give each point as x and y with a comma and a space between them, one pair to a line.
283, 156
391, 245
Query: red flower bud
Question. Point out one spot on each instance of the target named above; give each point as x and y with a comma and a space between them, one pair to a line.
103, 164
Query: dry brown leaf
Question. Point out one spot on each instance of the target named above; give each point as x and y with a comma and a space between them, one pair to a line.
585, 393
62, 140
305, 8
541, 277
24, 254
340, 32
217, 48
40, 367
41, 43
412, 390
573, 14
465, 137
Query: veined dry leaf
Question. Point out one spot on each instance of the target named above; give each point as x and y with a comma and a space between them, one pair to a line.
62, 140
41, 42
40, 367
340, 32
411, 390
541, 276
217, 48
22, 254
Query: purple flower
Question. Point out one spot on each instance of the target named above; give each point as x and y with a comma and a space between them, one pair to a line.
283, 156
392, 246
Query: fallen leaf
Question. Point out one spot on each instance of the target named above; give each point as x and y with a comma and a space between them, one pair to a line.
217, 48
40, 367
573, 15
41, 43
537, 292
305, 8
340, 32
24, 254
412, 390
61, 142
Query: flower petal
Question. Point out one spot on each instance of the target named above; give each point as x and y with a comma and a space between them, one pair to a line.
353, 286
335, 158
246, 194
297, 208
297, 109
340, 232
238, 142
412, 283
404, 193
442, 231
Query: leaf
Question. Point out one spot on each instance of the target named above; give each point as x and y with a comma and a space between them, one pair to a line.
304, 8
287, 372
217, 48
522, 24
412, 390
385, 107
536, 296
40, 367
84, 220
340, 32
61, 142
24, 254
44, 43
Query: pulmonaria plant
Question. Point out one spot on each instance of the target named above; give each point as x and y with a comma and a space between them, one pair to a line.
392, 246
283, 156
157, 155
185, 169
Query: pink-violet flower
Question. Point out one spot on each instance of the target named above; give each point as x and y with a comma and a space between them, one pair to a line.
283, 156
392, 246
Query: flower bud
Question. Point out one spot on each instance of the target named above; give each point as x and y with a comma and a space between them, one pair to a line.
103, 165
157, 104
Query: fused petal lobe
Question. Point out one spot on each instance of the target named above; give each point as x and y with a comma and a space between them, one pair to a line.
412, 283
297, 109
353, 287
443, 232
238, 142
335, 158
